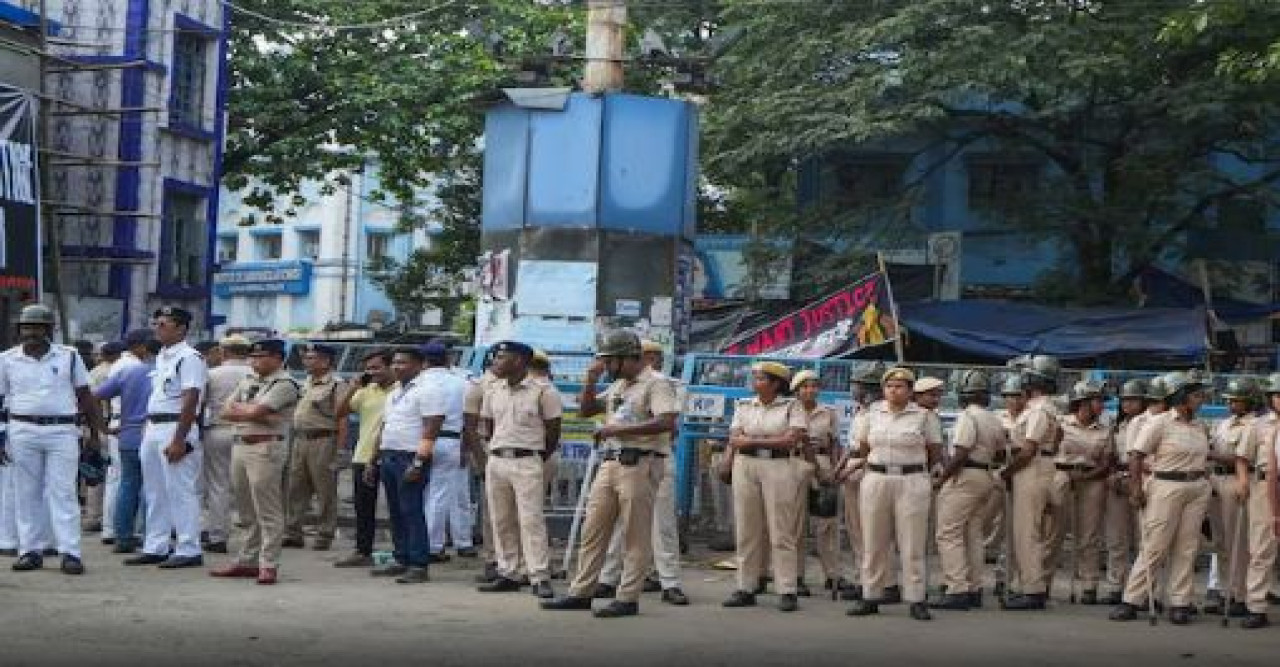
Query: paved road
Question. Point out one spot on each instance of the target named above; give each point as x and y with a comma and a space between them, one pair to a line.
320, 615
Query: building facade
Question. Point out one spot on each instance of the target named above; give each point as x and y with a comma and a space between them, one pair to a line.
136, 117
314, 269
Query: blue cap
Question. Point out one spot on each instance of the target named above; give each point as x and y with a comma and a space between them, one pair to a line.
514, 347
268, 346
320, 348
114, 347
435, 351
137, 337
179, 315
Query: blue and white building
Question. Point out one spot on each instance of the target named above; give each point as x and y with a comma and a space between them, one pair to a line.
313, 269
137, 123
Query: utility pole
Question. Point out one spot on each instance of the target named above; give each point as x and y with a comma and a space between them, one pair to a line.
606, 41
42, 138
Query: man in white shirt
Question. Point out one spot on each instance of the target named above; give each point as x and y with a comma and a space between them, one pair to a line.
45, 386
171, 450
448, 497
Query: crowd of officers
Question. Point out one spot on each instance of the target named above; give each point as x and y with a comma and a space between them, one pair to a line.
1045, 480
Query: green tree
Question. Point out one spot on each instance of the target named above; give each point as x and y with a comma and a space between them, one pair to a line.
1131, 128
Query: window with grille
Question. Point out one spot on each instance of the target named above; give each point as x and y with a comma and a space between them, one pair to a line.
185, 240
190, 62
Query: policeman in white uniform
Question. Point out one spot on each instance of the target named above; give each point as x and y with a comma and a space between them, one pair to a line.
171, 450
46, 385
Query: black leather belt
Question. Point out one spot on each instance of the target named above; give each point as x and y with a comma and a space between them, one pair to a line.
627, 452
1045, 452
167, 418
1074, 467
43, 420
449, 434
513, 453
980, 466
1179, 476
766, 453
825, 451
1228, 470
897, 470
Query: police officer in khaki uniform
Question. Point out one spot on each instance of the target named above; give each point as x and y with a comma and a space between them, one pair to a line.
1118, 521
1257, 478
261, 407
996, 524
816, 472
865, 391
964, 487
639, 408
1225, 505
522, 414
900, 441
1084, 463
1176, 500
1035, 438
315, 448
766, 431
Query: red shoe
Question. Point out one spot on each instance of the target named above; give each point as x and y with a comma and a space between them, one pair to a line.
236, 571
266, 576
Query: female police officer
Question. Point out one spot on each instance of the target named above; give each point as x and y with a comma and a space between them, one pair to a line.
899, 441
1080, 485
766, 432
815, 467
1175, 499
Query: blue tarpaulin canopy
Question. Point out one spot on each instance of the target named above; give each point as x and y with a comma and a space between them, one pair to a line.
1004, 329
1163, 289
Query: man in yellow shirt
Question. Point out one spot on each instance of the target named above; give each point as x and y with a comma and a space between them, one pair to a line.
366, 403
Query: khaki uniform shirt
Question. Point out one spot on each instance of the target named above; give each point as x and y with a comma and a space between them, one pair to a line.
899, 438
1084, 444
1038, 424
821, 426
318, 407
753, 418
277, 391
981, 432
1227, 437
649, 396
223, 380
1257, 439
1174, 445
519, 413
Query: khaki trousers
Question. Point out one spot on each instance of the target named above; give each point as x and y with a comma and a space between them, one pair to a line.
311, 473
1170, 528
962, 502
895, 509
666, 536
993, 521
1082, 502
1261, 548
255, 480
215, 481
515, 491
849, 496
826, 531
1030, 525
764, 517
1224, 513
619, 495
1118, 535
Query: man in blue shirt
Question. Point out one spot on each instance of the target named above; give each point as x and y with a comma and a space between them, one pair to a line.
132, 385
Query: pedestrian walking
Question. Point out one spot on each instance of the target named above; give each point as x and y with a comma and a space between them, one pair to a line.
261, 409
766, 432
367, 403
1175, 500
313, 472
964, 488
46, 388
522, 415
219, 443
900, 441
639, 408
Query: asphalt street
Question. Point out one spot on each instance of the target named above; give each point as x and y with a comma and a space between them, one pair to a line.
319, 615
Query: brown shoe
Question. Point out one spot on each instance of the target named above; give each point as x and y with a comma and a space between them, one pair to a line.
235, 571
267, 576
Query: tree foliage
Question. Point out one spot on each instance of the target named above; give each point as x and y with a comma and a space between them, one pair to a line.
1133, 127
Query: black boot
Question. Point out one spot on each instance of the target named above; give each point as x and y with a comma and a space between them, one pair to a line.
605, 592
1213, 603
501, 585
1237, 610
741, 599
956, 602
1124, 612
1255, 621
802, 589
892, 595
920, 612
1179, 615
567, 603
851, 593
1112, 599
975, 599
1034, 602
788, 602
1089, 597
618, 609
862, 608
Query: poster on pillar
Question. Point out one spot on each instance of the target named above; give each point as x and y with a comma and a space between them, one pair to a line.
19, 194
858, 316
